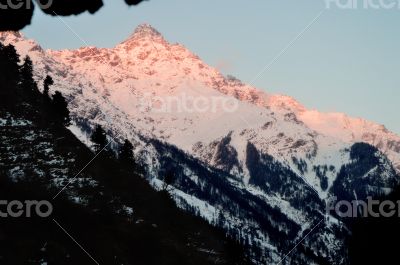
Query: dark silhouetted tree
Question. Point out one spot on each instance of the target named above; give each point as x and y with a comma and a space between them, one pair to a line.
48, 81
27, 81
60, 108
125, 153
99, 138
9, 74
9, 60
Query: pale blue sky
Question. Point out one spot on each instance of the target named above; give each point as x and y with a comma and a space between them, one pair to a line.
348, 60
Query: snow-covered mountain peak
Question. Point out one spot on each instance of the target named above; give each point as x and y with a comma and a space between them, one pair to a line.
173, 106
145, 31
146, 67
23, 45
12, 37
10, 34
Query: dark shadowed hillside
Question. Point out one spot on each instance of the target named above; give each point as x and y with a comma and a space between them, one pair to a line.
375, 240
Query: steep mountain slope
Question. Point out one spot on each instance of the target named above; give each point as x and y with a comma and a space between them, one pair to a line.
256, 164
112, 212
150, 81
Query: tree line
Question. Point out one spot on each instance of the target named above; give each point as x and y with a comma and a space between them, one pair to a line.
100, 144
17, 84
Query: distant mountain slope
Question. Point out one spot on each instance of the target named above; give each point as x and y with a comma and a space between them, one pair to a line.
237, 143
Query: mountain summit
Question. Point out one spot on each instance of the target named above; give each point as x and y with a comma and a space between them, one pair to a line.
145, 31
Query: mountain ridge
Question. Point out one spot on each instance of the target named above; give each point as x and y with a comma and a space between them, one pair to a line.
124, 89
140, 70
